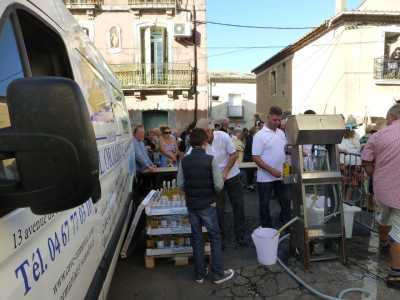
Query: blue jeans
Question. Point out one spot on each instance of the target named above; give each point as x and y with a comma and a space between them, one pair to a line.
265, 194
207, 218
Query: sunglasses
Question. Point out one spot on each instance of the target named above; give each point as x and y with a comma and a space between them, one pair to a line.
167, 132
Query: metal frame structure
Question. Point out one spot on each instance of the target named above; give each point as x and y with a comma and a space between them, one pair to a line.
324, 181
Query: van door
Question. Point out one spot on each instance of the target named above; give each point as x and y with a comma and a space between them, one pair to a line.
49, 256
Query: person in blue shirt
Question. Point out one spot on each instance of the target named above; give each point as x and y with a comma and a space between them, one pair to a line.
143, 161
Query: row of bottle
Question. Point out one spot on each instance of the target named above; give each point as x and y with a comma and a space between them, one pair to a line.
165, 202
174, 221
168, 242
170, 189
170, 196
165, 242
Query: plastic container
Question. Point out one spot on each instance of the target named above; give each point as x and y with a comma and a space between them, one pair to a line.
266, 245
315, 210
349, 212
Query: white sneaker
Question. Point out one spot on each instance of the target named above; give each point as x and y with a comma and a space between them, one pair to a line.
228, 275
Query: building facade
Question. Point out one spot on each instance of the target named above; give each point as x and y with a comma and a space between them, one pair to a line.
348, 65
150, 46
233, 97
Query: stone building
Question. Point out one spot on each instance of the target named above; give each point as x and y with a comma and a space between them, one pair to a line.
350, 64
233, 97
149, 45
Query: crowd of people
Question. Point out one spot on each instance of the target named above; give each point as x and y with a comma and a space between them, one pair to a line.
165, 146
208, 154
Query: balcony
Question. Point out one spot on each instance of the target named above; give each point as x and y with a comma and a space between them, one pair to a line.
137, 77
235, 111
387, 70
153, 4
83, 4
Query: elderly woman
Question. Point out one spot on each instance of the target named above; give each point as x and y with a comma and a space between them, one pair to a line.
152, 141
168, 148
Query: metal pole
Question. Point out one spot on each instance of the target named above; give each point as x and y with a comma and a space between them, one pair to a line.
195, 62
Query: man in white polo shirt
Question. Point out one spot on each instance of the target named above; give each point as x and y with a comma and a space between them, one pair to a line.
269, 155
224, 152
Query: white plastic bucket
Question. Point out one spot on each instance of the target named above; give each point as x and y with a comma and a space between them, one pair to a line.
266, 245
349, 212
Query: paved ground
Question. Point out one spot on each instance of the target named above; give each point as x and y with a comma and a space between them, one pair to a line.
364, 269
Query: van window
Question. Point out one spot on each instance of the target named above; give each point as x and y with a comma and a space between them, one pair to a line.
10, 69
45, 49
10, 61
96, 84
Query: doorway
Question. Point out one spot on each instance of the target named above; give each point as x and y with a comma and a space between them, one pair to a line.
154, 119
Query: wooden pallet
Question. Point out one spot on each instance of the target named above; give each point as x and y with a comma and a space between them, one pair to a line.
181, 259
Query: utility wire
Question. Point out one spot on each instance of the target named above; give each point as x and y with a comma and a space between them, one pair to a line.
263, 46
254, 26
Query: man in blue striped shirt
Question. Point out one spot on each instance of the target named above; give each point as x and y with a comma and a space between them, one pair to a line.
143, 161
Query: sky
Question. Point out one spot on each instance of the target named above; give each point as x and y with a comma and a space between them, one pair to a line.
280, 13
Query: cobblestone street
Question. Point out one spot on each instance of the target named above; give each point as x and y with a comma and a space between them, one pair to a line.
365, 268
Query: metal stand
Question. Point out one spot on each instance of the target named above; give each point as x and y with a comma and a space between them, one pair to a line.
315, 185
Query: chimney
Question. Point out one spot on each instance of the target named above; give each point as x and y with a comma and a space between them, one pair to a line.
341, 6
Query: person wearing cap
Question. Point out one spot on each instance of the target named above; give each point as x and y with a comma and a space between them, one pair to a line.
222, 148
350, 144
350, 158
381, 158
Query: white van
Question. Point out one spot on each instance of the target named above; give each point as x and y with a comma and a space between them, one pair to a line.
66, 157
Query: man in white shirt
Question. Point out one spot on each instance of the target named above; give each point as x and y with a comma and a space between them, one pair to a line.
224, 152
269, 154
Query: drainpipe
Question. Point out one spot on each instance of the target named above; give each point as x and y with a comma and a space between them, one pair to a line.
195, 63
209, 97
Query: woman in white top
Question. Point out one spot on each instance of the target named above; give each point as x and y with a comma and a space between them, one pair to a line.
350, 159
350, 147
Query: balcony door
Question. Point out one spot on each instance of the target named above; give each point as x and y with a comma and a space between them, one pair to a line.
235, 105
154, 53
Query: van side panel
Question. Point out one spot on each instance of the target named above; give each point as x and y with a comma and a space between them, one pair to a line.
59, 256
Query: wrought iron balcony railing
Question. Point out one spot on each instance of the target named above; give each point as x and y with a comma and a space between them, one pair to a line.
153, 4
387, 69
235, 111
154, 76
84, 4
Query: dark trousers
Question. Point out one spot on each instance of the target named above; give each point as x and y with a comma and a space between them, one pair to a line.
207, 218
144, 184
233, 189
250, 176
265, 194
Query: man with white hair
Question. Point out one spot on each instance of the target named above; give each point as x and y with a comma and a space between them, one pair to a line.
225, 125
223, 150
381, 158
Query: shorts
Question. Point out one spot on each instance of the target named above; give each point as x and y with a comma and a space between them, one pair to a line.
391, 217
